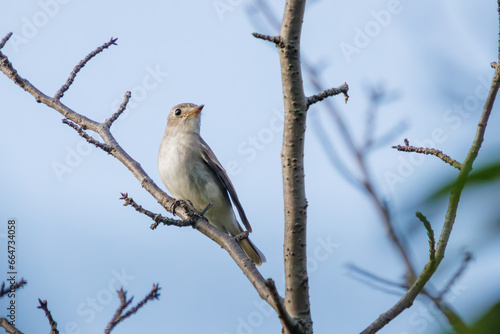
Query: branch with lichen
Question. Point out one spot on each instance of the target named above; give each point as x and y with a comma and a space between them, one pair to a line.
429, 151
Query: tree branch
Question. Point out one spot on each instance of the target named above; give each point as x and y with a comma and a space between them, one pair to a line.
155, 216
4, 40
430, 234
53, 324
121, 109
124, 303
273, 39
430, 268
344, 88
111, 146
291, 323
82, 63
18, 285
292, 157
90, 139
455, 321
430, 151
8, 327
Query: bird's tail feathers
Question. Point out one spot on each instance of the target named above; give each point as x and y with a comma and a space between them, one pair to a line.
252, 251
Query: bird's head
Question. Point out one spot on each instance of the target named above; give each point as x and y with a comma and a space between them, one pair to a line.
185, 117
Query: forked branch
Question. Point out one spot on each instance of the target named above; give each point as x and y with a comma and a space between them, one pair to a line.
110, 145
45, 308
119, 316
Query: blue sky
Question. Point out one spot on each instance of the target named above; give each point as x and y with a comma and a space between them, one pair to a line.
77, 243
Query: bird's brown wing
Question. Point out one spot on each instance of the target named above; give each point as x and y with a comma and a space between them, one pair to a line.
214, 164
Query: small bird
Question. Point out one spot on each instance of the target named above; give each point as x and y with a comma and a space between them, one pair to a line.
191, 172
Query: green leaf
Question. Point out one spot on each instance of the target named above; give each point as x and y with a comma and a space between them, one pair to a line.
489, 323
487, 174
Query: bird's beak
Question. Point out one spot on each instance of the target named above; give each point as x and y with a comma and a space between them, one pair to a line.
195, 111
198, 110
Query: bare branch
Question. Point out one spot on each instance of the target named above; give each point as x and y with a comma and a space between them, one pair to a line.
430, 233
5, 39
53, 324
80, 65
297, 301
273, 39
124, 303
290, 322
370, 279
155, 216
430, 151
8, 327
344, 88
18, 285
120, 110
87, 137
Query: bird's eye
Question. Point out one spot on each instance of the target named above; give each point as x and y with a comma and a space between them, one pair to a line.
177, 112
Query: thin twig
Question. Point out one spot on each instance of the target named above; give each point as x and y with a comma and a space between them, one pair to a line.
460, 271
53, 324
124, 303
5, 39
430, 234
155, 216
273, 39
87, 137
430, 151
9, 328
17, 286
80, 65
344, 88
120, 110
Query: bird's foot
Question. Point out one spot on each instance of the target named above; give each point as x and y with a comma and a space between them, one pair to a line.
205, 210
174, 205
